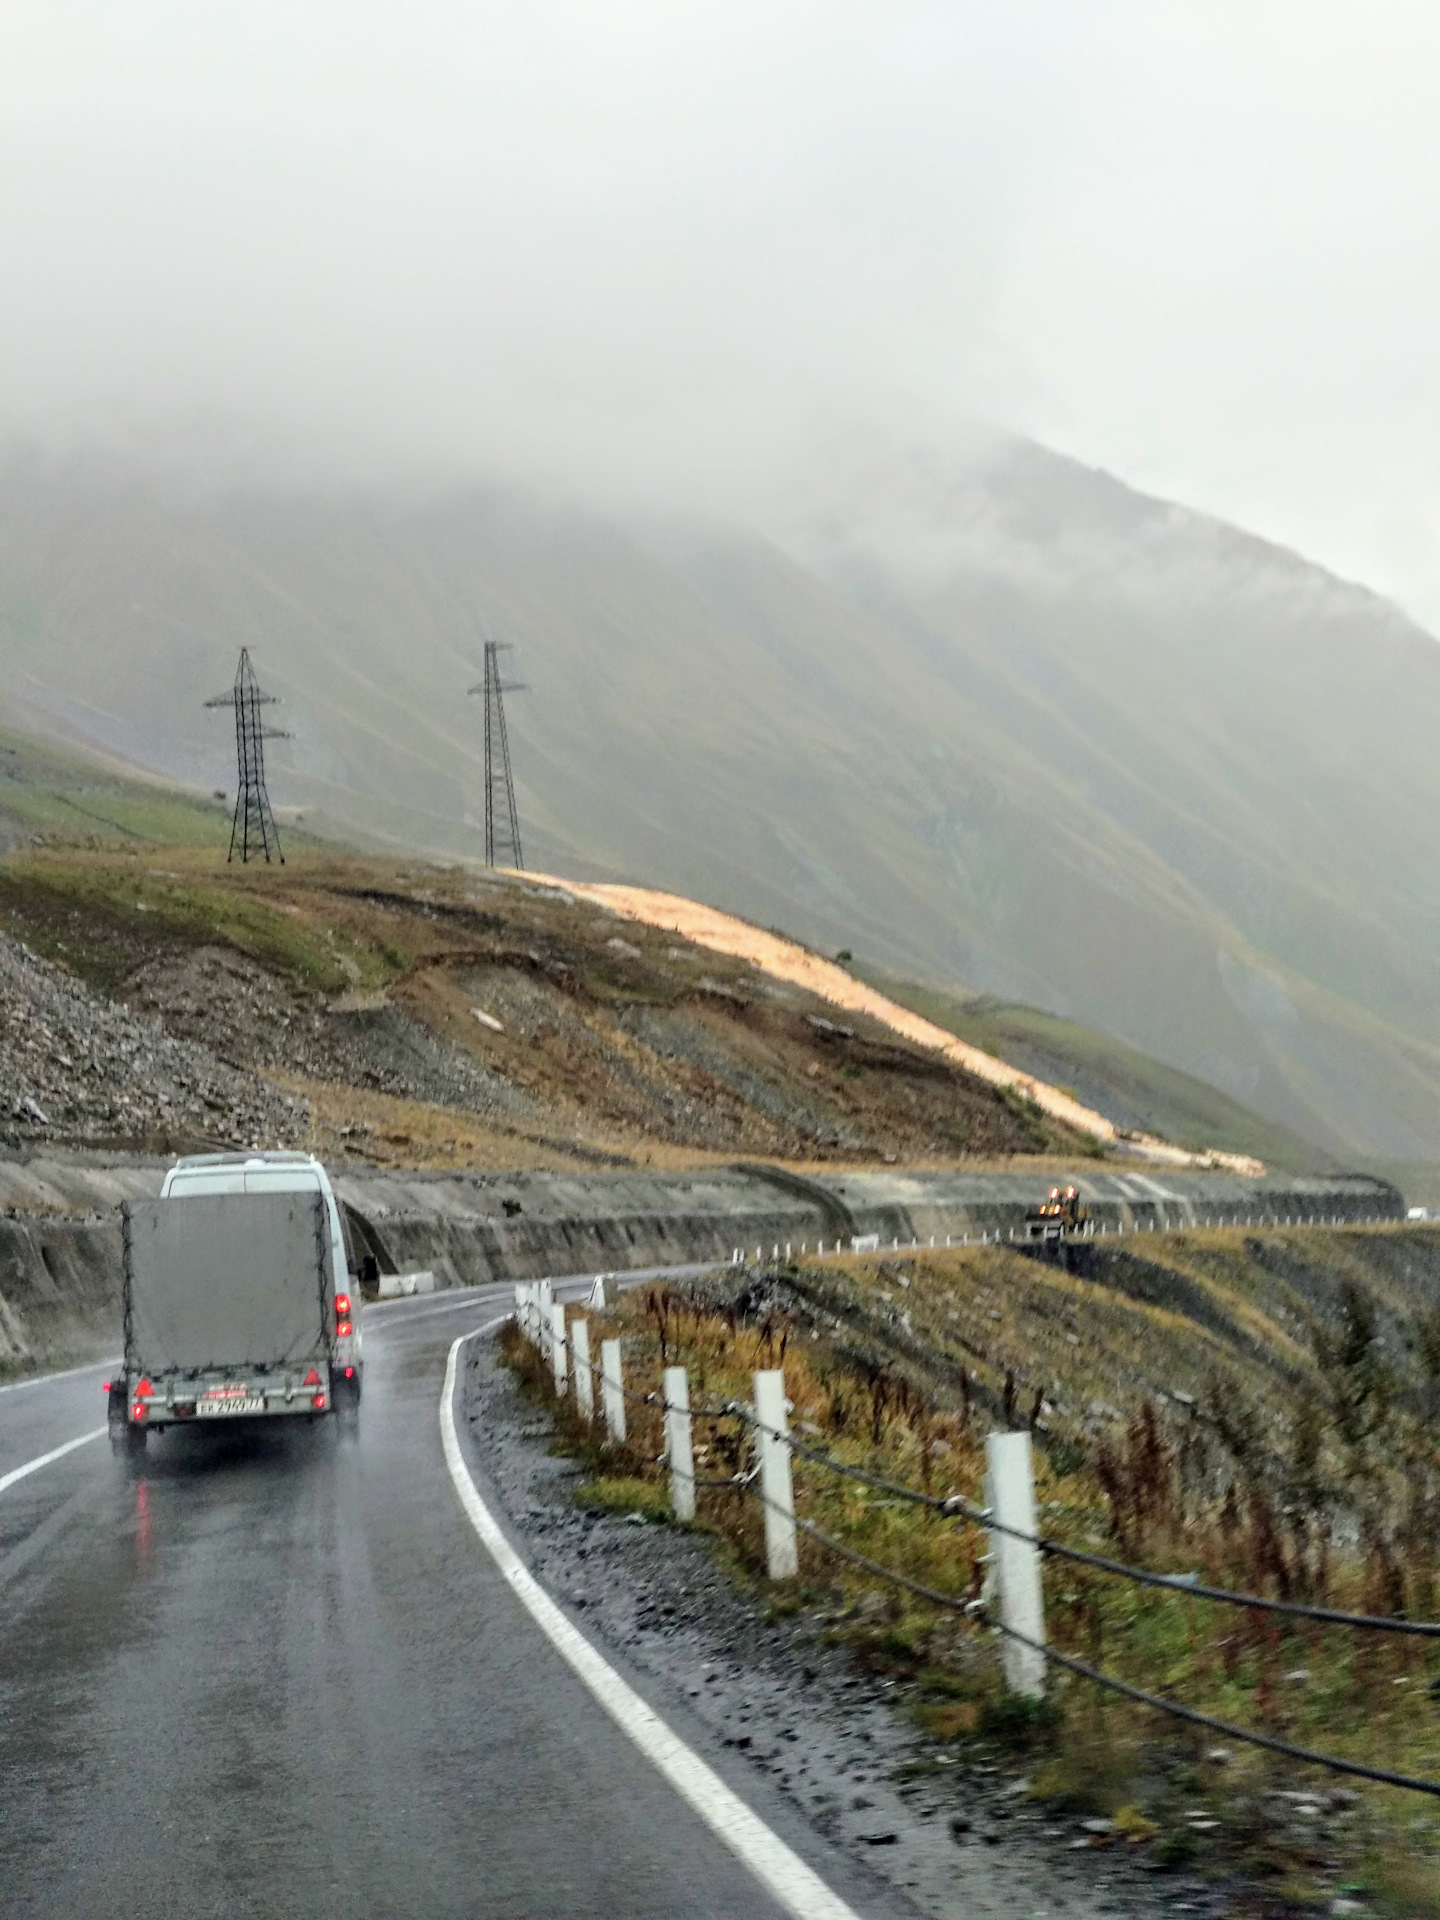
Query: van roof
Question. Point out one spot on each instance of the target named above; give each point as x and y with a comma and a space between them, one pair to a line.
275, 1159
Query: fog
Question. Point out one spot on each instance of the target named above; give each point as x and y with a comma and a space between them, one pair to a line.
702, 258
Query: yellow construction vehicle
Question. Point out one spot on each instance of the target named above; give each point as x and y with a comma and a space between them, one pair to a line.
1057, 1218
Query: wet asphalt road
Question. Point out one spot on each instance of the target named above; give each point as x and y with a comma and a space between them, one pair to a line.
278, 1674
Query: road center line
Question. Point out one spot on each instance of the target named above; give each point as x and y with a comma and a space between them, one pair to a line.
44, 1459
785, 1876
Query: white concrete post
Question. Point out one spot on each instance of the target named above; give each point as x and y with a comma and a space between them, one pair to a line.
584, 1379
557, 1344
543, 1304
1010, 1496
787, 1249
613, 1390
597, 1293
782, 1554
678, 1451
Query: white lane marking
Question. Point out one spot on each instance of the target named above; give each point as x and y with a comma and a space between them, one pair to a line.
784, 1875
44, 1379
44, 1459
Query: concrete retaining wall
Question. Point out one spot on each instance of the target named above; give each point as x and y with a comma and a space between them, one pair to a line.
60, 1244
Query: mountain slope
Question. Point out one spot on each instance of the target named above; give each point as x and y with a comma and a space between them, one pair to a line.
1007, 728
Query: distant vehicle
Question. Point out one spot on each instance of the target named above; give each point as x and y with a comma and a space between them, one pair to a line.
237, 1297
1058, 1217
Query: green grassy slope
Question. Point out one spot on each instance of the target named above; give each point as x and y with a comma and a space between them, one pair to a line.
1098, 756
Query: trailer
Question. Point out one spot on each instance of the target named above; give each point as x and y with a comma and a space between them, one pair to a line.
233, 1309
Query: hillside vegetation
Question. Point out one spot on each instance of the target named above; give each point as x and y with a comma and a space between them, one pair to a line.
1007, 729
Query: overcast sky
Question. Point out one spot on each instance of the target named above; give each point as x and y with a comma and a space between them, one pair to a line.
667, 247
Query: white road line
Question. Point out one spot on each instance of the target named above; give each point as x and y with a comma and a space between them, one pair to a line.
44, 1459
799, 1891
44, 1379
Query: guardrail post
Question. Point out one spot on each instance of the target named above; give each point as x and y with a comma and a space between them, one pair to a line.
584, 1379
557, 1344
543, 1305
782, 1553
1010, 1496
678, 1450
612, 1386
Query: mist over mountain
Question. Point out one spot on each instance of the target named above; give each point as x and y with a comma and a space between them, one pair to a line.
989, 718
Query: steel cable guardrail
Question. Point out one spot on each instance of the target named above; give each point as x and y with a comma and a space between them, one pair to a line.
954, 1506
1156, 1702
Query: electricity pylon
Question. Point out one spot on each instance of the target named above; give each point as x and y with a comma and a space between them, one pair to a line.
499, 781
253, 828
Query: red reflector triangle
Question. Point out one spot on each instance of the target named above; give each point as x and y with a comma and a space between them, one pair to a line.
312, 1378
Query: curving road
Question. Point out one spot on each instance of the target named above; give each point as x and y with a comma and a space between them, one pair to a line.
281, 1675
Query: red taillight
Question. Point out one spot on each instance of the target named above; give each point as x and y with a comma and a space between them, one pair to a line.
344, 1330
104, 1386
144, 1391
139, 1410
318, 1401
349, 1373
312, 1378
342, 1306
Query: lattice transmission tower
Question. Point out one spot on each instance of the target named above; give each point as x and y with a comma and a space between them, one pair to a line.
502, 822
253, 830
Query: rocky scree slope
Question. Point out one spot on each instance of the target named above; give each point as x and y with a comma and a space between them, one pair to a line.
75, 1066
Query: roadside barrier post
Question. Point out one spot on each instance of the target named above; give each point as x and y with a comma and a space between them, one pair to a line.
1010, 1496
557, 1344
543, 1304
782, 1554
678, 1449
613, 1390
597, 1293
584, 1379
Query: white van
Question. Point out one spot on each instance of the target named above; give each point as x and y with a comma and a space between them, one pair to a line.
204, 1173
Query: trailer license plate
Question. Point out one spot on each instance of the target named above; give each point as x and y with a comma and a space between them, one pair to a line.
230, 1403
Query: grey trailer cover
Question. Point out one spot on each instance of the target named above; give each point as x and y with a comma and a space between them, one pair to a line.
225, 1280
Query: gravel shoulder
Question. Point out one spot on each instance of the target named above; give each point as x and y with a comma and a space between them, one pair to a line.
958, 1838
